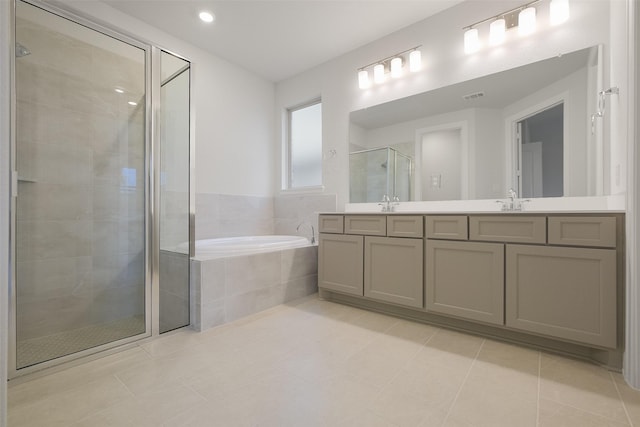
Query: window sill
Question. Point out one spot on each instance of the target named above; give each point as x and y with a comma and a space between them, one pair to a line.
302, 190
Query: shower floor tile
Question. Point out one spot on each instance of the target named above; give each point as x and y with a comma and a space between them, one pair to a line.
316, 363
37, 350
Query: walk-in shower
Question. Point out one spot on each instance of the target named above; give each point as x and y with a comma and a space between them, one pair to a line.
86, 183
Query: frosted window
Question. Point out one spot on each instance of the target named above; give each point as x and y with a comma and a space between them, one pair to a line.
305, 146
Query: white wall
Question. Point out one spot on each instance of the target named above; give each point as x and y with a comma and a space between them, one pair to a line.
5, 138
489, 181
234, 111
444, 63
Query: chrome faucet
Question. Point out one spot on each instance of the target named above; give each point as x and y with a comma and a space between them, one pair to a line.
313, 232
396, 202
513, 204
388, 205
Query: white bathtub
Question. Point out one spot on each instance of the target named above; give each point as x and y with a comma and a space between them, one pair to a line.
245, 245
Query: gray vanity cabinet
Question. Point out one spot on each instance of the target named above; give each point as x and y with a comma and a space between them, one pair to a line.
557, 276
393, 270
465, 279
564, 292
340, 263
376, 256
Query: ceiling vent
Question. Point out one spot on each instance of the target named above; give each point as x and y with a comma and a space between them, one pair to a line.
473, 95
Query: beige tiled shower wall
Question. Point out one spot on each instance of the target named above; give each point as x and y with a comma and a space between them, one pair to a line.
80, 247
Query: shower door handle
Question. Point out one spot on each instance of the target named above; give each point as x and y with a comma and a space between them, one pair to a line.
14, 183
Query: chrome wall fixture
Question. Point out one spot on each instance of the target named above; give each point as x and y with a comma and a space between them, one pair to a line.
602, 105
391, 65
522, 17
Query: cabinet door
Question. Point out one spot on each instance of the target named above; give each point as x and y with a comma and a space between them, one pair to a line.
340, 263
465, 279
567, 293
393, 270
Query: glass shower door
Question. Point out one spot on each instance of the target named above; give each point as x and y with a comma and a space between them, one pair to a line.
80, 211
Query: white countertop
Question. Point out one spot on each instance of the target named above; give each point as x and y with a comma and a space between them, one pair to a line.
597, 204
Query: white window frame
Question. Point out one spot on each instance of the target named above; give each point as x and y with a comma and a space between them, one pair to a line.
287, 181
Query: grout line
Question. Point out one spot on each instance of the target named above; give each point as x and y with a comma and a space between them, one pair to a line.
539, 381
455, 399
626, 411
124, 385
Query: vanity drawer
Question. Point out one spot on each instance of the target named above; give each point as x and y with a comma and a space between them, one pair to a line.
371, 225
451, 227
519, 229
599, 231
331, 224
405, 226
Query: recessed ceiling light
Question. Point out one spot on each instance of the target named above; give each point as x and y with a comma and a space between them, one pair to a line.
132, 103
207, 17
119, 90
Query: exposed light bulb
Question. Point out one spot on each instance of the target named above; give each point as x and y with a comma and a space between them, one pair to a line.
363, 79
415, 61
527, 21
378, 74
558, 11
396, 67
497, 31
207, 17
471, 41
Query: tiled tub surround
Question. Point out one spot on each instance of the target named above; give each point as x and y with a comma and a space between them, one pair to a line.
292, 210
223, 215
226, 289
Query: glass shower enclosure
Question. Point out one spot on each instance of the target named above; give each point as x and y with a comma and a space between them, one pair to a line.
98, 195
81, 174
377, 172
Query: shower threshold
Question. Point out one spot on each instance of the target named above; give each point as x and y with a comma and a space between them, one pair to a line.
42, 349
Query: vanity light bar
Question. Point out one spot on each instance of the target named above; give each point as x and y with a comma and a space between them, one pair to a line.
392, 65
523, 17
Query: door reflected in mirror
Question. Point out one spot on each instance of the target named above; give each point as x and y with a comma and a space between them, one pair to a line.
539, 142
441, 166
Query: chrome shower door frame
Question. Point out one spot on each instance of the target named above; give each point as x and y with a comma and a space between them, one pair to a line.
151, 178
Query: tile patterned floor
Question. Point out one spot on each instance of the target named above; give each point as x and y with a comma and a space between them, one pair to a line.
316, 363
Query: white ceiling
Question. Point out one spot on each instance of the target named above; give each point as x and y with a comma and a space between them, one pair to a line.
278, 39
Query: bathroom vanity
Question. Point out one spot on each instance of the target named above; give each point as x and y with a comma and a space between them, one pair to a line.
552, 280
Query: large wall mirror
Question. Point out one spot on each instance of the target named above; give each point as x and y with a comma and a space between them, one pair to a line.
529, 128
